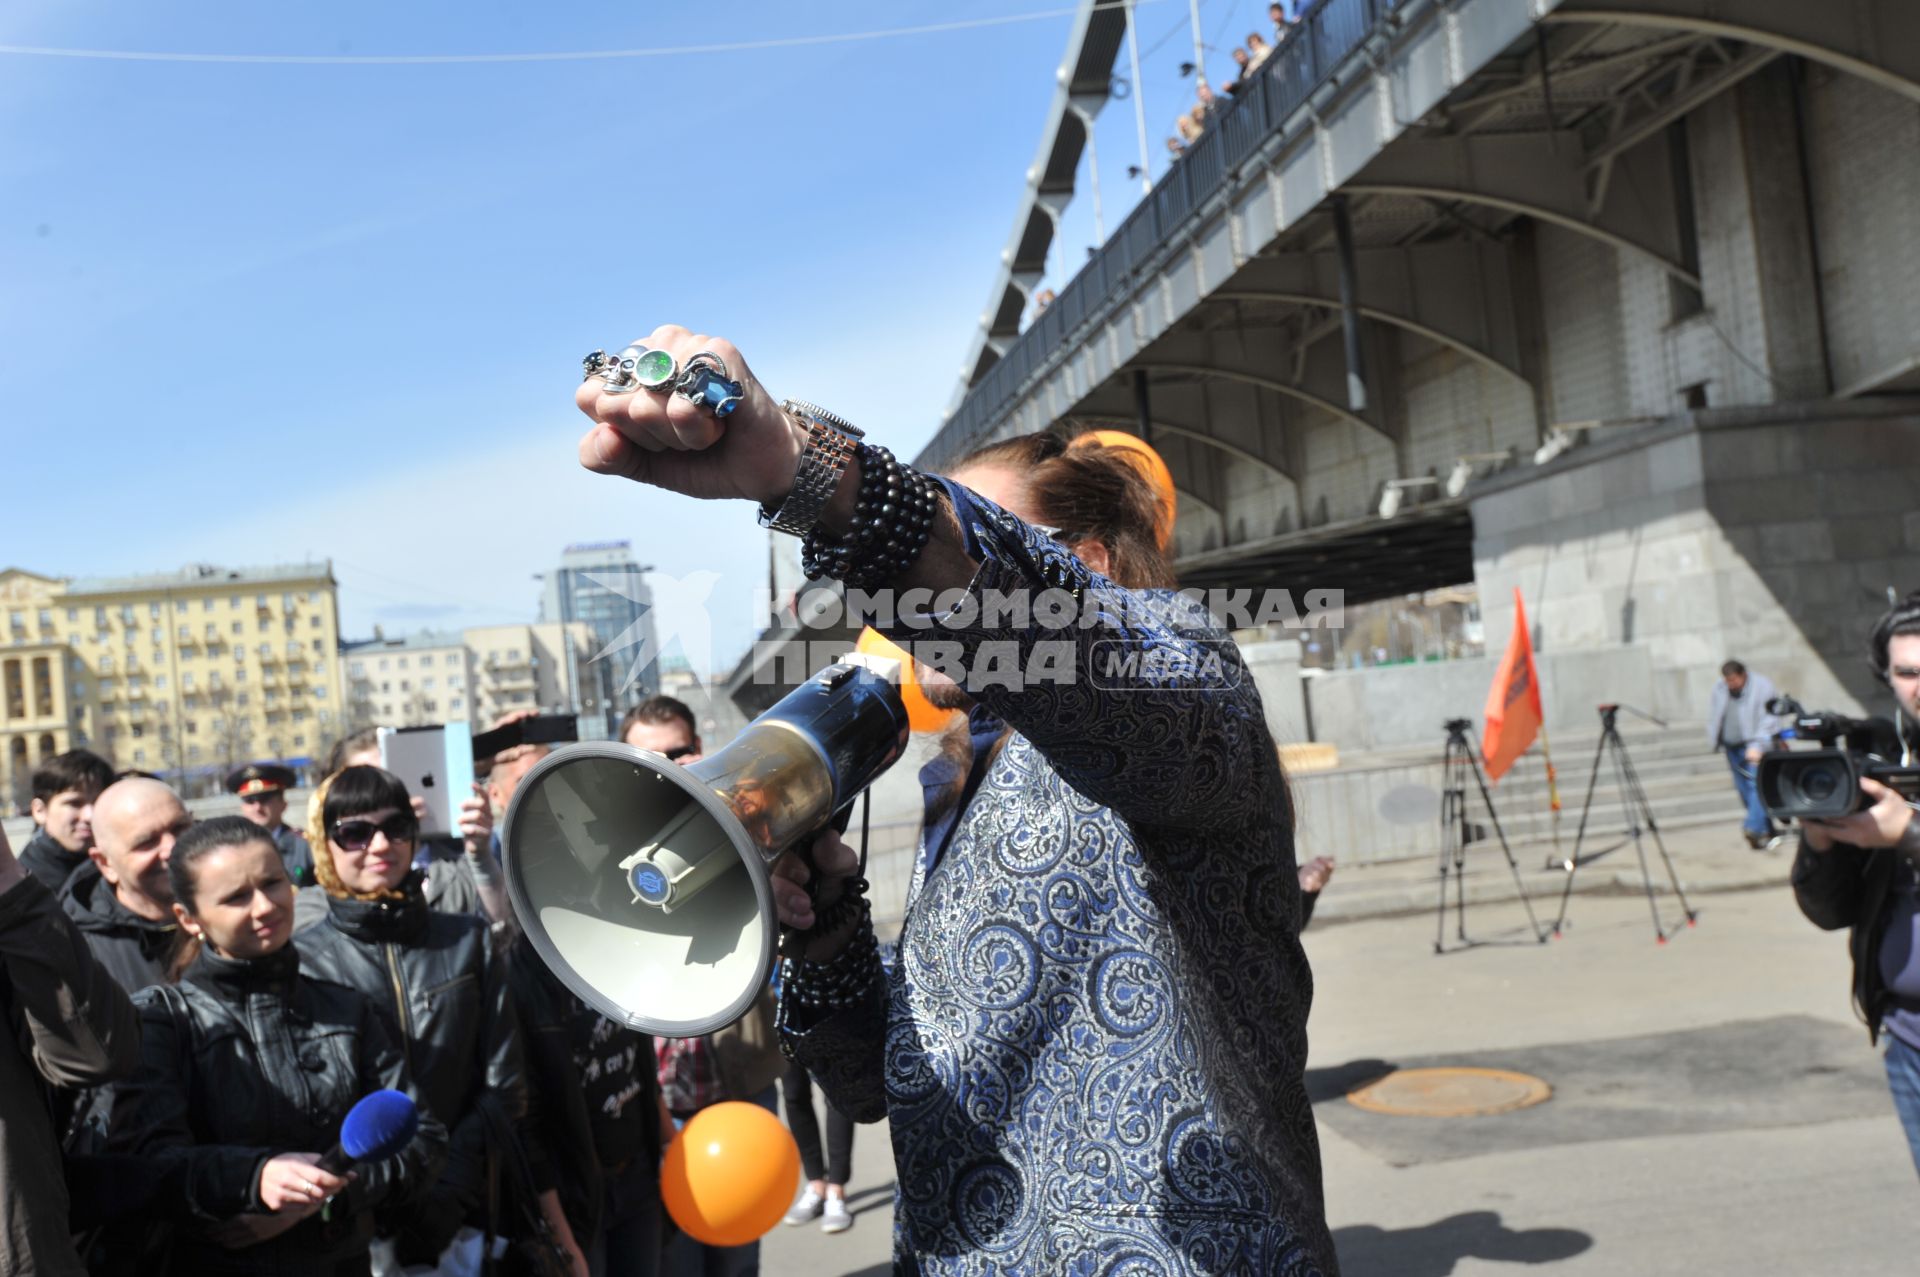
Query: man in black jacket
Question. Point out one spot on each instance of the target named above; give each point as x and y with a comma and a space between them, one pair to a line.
122, 902
64, 789
1863, 873
66, 1025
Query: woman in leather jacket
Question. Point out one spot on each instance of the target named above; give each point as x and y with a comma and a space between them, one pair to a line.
435, 979
248, 1066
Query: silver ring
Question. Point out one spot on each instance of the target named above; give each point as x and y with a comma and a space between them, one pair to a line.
313, 1190
709, 382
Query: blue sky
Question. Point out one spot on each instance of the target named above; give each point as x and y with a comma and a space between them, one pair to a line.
255, 313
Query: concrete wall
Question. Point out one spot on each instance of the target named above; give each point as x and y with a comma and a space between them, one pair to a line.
1275, 670
1769, 535
1580, 312
1397, 706
1454, 405
1610, 550
1818, 519
1863, 151
1614, 347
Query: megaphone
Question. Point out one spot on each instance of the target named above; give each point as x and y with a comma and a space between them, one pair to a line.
643, 884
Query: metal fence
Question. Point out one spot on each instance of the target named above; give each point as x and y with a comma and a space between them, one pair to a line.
1327, 33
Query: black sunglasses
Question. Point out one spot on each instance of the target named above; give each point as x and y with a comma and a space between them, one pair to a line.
677, 752
357, 835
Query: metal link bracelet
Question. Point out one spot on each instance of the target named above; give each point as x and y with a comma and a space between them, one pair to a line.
831, 441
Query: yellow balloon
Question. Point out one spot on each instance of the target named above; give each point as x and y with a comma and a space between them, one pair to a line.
922, 714
730, 1174
1150, 464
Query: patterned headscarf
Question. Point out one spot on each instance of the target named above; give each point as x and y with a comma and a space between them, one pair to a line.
323, 869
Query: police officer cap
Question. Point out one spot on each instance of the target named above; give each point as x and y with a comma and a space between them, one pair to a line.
258, 779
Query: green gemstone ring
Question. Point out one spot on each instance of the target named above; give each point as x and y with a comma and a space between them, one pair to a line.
656, 370
640, 367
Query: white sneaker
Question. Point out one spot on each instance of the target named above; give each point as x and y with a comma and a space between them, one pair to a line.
806, 1210
837, 1218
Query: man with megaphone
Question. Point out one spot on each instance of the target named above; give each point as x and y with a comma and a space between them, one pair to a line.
1091, 1047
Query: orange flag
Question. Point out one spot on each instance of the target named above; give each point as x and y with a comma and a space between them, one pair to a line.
1513, 702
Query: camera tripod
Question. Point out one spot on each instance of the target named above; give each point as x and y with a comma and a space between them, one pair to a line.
1456, 832
1639, 812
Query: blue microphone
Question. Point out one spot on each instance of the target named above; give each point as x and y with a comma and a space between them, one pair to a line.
379, 1126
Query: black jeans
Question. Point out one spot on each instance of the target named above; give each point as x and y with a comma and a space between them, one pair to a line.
797, 1089
628, 1244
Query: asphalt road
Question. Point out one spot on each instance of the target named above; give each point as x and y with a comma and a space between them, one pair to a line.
1716, 1108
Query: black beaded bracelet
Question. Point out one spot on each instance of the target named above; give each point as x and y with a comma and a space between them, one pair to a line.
823, 555
892, 522
807, 987
853, 899
838, 984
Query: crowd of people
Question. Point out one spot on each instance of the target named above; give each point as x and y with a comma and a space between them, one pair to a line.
1105, 874
200, 1004
1248, 58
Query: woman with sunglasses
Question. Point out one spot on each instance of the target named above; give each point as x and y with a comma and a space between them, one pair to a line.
435, 978
248, 1065
457, 879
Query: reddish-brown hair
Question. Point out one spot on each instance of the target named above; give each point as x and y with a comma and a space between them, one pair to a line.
1087, 489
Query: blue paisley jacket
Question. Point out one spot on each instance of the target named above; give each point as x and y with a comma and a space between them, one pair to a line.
1091, 1047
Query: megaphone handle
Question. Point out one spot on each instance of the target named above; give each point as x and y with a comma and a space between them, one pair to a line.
844, 817
866, 811
804, 849
841, 819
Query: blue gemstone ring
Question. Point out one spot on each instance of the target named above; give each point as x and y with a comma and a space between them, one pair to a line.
709, 383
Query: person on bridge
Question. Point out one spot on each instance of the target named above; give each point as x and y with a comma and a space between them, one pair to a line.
1091, 1049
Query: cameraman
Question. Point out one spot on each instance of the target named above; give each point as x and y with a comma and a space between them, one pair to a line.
1863, 872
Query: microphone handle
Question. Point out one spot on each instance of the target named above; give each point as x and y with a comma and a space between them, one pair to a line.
336, 1161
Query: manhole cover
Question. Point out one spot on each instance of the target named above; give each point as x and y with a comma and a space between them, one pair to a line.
1450, 1093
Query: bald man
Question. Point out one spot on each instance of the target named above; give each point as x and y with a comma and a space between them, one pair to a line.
122, 902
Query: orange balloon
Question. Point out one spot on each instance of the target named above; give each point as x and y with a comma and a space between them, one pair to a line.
1149, 464
922, 714
730, 1174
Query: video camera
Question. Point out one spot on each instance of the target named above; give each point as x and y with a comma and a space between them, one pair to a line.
1824, 783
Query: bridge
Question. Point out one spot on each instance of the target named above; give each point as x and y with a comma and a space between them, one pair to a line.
1614, 301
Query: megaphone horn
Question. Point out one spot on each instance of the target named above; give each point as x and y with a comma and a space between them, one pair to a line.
644, 884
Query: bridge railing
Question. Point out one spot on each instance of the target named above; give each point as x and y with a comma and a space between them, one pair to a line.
1327, 33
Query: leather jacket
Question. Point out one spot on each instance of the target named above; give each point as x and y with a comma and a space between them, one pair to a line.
64, 1024
242, 1061
48, 861
1850, 887
136, 951
443, 992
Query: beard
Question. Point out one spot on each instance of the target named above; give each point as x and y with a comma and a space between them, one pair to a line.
956, 748
942, 692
